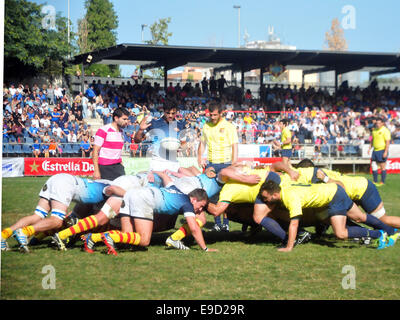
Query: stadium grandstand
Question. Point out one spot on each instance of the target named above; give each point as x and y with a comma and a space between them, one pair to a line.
327, 125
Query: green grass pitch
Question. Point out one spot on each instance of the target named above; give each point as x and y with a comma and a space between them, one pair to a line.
242, 269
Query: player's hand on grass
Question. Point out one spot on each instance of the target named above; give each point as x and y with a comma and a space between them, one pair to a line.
212, 250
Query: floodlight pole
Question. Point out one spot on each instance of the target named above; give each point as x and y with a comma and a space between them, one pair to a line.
238, 7
143, 26
68, 24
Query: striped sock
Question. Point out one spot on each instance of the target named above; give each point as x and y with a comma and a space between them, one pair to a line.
96, 237
184, 231
82, 225
125, 237
28, 231
6, 233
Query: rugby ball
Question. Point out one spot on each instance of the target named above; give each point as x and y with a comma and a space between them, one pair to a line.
171, 144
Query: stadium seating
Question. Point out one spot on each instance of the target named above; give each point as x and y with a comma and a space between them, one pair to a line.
76, 149
18, 150
27, 150
67, 149
9, 149
29, 139
325, 150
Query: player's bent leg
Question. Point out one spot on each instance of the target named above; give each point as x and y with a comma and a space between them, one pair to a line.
338, 224
360, 217
126, 224
175, 240
144, 229
380, 213
184, 231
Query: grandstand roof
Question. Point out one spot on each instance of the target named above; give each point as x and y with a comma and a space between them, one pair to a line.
242, 59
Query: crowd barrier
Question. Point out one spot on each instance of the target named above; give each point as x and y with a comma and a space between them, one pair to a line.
19, 167
19, 162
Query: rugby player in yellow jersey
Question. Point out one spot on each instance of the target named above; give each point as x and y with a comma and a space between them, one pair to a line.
240, 193
365, 194
235, 190
361, 190
221, 139
297, 197
380, 143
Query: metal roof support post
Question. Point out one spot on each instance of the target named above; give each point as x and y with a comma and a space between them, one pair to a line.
336, 83
83, 79
165, 79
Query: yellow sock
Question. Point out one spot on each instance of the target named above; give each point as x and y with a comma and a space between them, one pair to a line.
28, 231
82, 225
6, 233
125, 237
184, 231
96, 237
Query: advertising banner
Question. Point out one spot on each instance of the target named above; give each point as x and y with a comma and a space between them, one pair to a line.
12, 167
52, 166
392, 166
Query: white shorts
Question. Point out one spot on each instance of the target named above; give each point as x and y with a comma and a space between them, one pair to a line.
129, 182
61, 187
139, 203
160, 164
187, 184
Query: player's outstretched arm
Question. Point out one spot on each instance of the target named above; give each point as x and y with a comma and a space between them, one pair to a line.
114, 190
323, 177
165, 178
217, 209
293, 227
281, 166
197, 233
233, 173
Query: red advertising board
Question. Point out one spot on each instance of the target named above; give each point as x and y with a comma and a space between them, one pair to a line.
257, 161
52, 166
392, 166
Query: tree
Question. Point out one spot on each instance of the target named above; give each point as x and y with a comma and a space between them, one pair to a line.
83, 34
97, 30
30, 47
159, 32
335, 38
159, 36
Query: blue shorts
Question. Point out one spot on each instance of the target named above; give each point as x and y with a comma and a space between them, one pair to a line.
286, 153
340, 203
377, 156
370, 199
273, 176
218, 166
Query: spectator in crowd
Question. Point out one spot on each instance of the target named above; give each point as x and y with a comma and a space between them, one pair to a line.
53, 148
36, 148
86, 148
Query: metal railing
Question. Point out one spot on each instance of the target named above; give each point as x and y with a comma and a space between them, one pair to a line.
299, 151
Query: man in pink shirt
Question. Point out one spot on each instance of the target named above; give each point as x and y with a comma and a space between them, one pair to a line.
108, 145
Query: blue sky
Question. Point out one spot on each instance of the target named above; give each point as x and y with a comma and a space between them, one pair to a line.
215, 23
